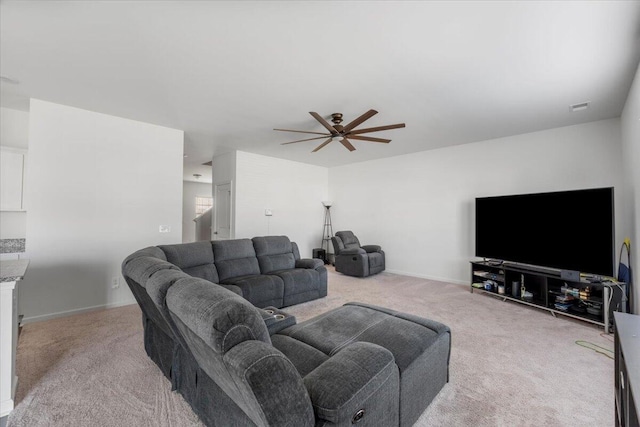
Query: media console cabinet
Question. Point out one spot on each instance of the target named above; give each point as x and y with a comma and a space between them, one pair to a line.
627, 369
592, 302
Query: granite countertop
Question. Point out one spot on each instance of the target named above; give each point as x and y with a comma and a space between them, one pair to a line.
12, 246
13, 270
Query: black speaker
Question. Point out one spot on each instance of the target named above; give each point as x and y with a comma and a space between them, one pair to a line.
320, 254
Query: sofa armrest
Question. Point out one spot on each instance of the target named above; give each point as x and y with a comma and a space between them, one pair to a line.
353, 251
276, 320
311, 263
371, 248
269, 385
360, 382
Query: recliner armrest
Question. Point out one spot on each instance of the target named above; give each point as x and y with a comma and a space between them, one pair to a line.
361, 380
269, 379
352, 251
311, 263
371, 248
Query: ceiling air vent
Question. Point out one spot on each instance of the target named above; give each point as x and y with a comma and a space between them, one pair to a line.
579, 107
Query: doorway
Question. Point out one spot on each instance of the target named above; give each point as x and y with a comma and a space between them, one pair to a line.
222, 206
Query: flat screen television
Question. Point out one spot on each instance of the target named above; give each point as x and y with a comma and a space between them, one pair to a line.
564, 230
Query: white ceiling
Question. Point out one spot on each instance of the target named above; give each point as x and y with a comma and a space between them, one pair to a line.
227, 73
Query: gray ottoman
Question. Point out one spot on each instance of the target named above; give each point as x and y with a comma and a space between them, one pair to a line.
421, 348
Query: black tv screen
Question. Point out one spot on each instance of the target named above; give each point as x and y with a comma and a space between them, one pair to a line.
565, 230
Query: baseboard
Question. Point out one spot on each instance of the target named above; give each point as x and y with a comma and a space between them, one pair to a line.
424, 276
50, 316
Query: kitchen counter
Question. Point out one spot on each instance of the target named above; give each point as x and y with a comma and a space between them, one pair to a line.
13, 270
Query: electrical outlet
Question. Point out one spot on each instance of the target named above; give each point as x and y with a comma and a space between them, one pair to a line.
268, 212
165, 229
115, 283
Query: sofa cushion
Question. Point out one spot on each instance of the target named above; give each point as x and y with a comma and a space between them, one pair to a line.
304, 357
274, 253
298, 280
195, 259
349, 240
406, 337
234, 258
187, 255
260, 290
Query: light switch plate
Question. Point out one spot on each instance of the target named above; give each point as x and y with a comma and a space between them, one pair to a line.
268, 212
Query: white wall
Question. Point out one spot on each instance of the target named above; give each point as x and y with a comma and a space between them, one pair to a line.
14, 132
293, 191
14, 128
191, 190
98, 187
630, 125
420, 207
13, 225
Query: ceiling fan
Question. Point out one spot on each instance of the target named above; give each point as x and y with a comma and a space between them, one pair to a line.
344, 133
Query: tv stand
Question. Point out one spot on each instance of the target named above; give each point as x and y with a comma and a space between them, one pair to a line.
592, 302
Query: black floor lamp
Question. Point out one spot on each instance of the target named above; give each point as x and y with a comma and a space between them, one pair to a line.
327, 231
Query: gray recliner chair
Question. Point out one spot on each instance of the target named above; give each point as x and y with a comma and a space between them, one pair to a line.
354, 259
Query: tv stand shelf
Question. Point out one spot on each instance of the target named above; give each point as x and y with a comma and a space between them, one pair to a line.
592, 302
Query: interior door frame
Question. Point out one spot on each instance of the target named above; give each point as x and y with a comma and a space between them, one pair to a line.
214, 236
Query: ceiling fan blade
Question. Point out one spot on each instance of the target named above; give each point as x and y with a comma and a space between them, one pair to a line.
323, 122
362, 118
301, 140
346, 143
378, 128
322, 145
369, 138
303, 131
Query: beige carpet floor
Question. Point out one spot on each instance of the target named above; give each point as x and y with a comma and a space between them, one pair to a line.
511, 365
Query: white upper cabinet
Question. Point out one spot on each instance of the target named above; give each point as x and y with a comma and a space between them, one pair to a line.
12, 174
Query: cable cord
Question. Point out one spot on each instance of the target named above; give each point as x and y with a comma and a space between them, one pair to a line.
596, 348
606, 336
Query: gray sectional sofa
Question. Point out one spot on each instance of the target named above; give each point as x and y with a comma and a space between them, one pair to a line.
240, 365
266, 271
